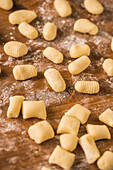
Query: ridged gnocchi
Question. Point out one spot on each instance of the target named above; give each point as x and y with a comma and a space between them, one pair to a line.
49, 31
89, 87
15, 49
85, 26
23, 72
53, 54
22, 15
63, 7
55, 80
28, 30
78, 50
93, 6
7, 5
79, 65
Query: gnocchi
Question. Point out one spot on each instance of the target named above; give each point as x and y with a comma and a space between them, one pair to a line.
106, 161
68, 142
79, 112
27, 30
79, 65
23, 72
89, 87
63, 8
68, 125
45, 168
15, 106
93, 6
15, 49
62, 158
108, 66
53, 54
107, 117
22, 15
98, 131
7, 5
49, 31
55, 80
34, 109
41, 131
85, 26
78, 50
112, 44
89, 147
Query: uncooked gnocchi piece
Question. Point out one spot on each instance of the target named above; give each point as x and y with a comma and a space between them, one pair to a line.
93, 6
89, 147
53, 54
41, 131
6, 4
49, 31
68, 142
89, 87
55, 80
23, 72
22, 15
79, 65
85, 26
45, 168
79, 112
108, 66
78, 50
62, 158
112, 44
28, 30
15, 106
34, 109
105, 162
15, 49
98, 131
63, 8
107, 117
68, 125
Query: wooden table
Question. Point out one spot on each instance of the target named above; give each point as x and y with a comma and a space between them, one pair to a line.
17, 150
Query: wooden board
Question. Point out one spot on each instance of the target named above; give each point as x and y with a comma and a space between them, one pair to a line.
17, 150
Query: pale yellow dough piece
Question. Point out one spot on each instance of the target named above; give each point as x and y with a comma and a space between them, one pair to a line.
78, 50
112, 44
22, 15
107, 117
93, 6
63, 8
41, 131
98, 131
28, 30
68, 142
6, 4
23, 72
79, 112
49, 31
15, 106
15, 49
68, 125
106, 161
62, 158
85, 26
89, 87
55, 80
89, 147
53, 54
34, 109
79, 65
45, 168
108, 66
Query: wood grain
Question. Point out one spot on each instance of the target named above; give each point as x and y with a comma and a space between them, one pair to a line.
17, 150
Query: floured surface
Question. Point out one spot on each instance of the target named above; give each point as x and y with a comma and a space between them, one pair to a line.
17, 150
